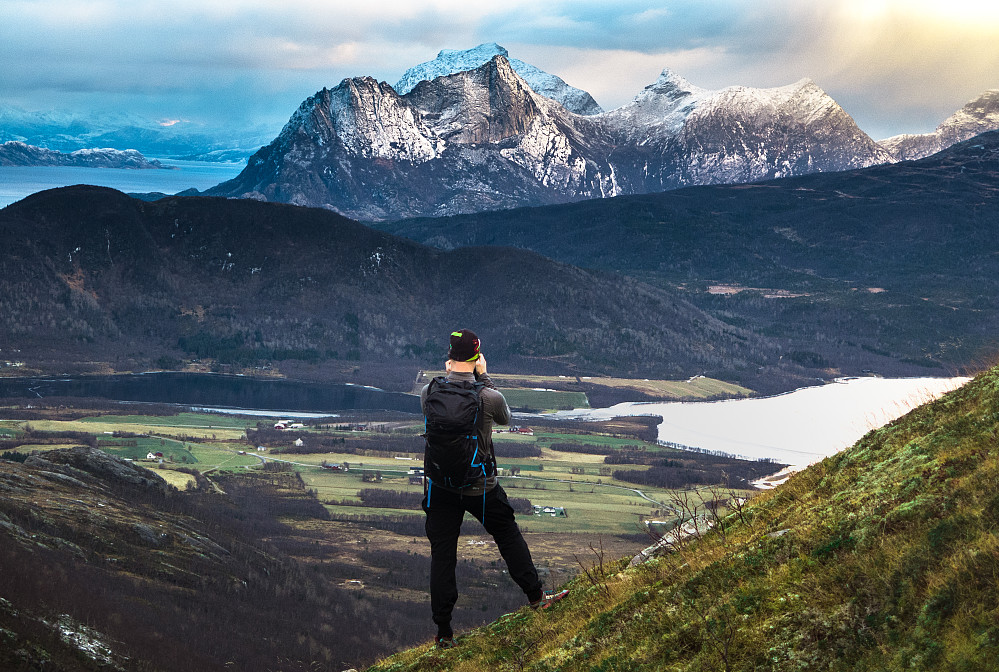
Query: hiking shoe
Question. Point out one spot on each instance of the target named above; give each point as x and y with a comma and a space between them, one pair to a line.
548, 598
445, 642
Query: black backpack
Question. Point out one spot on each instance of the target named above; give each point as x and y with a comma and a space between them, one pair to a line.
452, 456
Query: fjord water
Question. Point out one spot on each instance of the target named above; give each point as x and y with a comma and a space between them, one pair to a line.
17, 182
206, 389
797, 428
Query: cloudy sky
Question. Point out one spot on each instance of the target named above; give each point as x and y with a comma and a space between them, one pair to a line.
894, 65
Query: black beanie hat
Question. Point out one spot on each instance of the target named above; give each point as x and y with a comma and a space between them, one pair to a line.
464, 346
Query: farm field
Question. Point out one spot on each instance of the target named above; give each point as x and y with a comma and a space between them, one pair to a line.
364, 525
568, 392
579, 483
575, 494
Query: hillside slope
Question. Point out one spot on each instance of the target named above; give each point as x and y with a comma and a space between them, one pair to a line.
898, 258
883, 557
90, 275
105, 567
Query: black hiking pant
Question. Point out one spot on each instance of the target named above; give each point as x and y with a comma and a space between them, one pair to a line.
445, 511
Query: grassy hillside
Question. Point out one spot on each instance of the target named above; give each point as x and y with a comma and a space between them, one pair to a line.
883, 557
94, 281
887, 268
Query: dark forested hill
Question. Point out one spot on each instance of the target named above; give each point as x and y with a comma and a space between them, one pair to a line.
91, 275
901, 259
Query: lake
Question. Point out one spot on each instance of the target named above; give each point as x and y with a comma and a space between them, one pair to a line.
17, 182
215, 390
797, 428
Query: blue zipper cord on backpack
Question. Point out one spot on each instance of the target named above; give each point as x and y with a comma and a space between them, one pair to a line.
485, 476
430, 483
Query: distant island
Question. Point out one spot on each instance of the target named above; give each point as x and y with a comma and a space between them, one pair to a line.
15, 153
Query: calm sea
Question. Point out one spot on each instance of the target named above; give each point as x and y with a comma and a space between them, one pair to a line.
18, 182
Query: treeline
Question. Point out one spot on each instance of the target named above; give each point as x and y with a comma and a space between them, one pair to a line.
513, 449
33, 436
244, 349
282, 441
641, 427
74, 408
328, 444
679, 472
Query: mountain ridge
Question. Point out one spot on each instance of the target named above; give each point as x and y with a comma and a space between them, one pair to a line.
93, 275
978, 116
15, 153
451, 61
902, 253
736, 134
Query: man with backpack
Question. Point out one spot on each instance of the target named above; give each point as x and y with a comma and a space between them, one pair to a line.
460, 475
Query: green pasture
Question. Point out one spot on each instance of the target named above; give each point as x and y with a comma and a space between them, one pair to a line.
172, 450
224, 456
193, 420
542, 437
594, 501
342, 486
698, 387
107, 425
545, 400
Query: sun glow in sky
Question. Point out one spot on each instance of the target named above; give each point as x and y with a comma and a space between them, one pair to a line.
895, 65
970, 12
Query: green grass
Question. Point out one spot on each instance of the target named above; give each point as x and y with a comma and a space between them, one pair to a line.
516, 384
192, 420
545, 400
883, 557
223, 456
172, 450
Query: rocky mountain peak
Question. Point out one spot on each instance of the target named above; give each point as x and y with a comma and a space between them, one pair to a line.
368, 119
451, 61
488, 104
670, 84
976, 117
468, 139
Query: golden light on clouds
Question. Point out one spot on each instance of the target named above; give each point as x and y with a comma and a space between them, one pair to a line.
981, 13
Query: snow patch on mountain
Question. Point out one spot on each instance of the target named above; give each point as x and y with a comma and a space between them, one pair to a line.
665, 104
451, 61
976, 117
16, 153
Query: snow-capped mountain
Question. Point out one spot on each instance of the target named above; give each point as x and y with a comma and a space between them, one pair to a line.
67, 132
478, 139
686, 135
450, 61
484, 139
14, 153
978, 116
